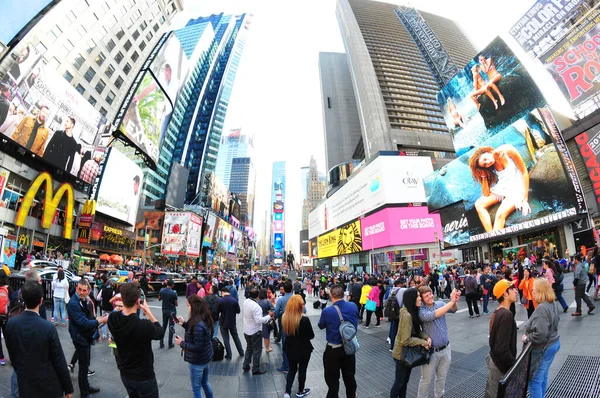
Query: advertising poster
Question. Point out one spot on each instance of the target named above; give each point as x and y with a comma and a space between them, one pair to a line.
69, 124
399, 226
175, 233
9, 252
209, 230
234, 239
385, 180
219, 196
119, 192
278, 243
21, 61
344, 240
544, 20
15, 14
589, 146
4, 174
512, 181
455, 225
573, 62
491, 93
223, 231
170, 67
194, 235
147, 116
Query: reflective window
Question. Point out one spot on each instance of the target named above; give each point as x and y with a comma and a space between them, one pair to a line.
119, 57
68, 76
92, 100
100, 58
109, 70
80, 89
89, 74
119, 82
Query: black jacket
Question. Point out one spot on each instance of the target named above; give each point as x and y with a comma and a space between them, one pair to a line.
228, 307
197, 345
133, 337
356, 291
37, 356
213, 303
299, 347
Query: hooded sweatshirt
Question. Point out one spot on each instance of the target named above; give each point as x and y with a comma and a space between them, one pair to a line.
133, 337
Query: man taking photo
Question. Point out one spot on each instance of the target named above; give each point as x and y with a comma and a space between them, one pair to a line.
134, 338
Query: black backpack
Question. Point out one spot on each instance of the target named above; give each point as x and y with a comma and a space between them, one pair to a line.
392, 309
218, 350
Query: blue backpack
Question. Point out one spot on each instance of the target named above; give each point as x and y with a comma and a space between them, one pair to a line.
348, 333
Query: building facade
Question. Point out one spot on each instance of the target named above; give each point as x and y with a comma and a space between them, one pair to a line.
394, 85
234, 145
277, 224
242, 183
340, 115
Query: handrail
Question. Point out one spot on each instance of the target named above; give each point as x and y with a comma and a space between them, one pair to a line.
511, 385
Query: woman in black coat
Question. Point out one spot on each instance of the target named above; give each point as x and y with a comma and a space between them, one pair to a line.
298, 334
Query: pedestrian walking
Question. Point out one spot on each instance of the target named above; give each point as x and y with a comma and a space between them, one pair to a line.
279, 311
471, 288
579, 280
60, 292
542, 331
503, 337
267, 306
197, 346
410, 334
526, 285
228, 308
488, 280
335, 359
253, 322
297, 345
168, 296
373, 295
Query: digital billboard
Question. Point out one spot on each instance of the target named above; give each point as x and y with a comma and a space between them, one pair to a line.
234, 238
344, 240
589, 146
218, 196
490, 93
399, 226
181, 234
15, 15
48, 117
278, 207
573, 62
209, 230
222, 234
512, 181
120, 187
278, 243
21, 61
385, 180
544, 20
170, 67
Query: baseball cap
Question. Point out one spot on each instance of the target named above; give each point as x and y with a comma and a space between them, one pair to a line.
502, 286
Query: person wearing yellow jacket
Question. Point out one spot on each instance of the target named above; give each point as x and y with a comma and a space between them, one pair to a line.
366, 289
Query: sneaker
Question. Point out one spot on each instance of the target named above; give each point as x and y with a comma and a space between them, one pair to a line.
377, 326
390, 350
3, 361
282, 369
389, 341
91, 373
303, 393
365, 326
286, 395
576, 314
471, 316
566, 309
477, 315
486, 313
591, 309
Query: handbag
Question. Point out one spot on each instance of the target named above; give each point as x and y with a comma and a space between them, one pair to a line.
414, 356
371, 305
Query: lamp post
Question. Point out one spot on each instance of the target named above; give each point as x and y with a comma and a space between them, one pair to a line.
146, 239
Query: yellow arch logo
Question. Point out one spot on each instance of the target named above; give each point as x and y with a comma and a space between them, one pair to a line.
51, 202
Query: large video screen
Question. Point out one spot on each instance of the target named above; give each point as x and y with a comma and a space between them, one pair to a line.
120, 188
15, 14
171, 67
43, 113
493, 91
209, 230
147, 117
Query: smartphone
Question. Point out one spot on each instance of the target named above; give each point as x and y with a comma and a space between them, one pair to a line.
174, 318
141, 301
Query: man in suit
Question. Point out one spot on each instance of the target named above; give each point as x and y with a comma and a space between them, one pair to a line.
35, 350
82, 326
228, 308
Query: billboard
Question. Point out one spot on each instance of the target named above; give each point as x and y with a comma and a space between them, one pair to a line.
455, 225
400, 226
209, 230
278, 226
120, 186
490, 93
170, 67
573, 63
44, 114
234, 239
218, 196
278, 207
344, 240
512, 181
543, 21
181, 234
278, 242
223, 232
15, 15
589, 146
386, 180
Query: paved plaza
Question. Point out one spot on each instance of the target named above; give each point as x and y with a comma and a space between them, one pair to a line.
375, 366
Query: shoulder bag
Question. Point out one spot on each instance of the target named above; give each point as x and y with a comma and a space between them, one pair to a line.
414, 356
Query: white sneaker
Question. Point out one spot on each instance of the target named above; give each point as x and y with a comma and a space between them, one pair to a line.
286, 395
389, 341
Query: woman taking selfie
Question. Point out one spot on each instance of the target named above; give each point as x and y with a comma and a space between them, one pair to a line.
410, 334
197, 346
298, 334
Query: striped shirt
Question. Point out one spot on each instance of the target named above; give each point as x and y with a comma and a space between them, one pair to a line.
435, 328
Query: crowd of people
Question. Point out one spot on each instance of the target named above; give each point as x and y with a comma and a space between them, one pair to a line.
275, 306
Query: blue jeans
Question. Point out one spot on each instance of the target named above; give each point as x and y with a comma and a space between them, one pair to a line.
216, 330
285, 364
539, 382
393, 332
14, 386
559, 297
59, 310
199, 378
486, 299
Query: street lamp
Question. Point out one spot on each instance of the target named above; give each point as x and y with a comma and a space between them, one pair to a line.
146, 239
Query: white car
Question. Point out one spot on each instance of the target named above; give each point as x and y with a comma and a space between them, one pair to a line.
49, 272
28, 264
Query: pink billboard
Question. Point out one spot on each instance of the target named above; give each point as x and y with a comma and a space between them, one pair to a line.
400, 226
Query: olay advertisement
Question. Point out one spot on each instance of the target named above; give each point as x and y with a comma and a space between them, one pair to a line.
400, 226
589, 146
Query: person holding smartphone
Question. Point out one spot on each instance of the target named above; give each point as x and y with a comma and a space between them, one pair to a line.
168, 296
197, 347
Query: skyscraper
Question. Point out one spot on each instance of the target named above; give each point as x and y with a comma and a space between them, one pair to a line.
399, 58
316, 189
197, 145
242, 183
340, 115
278, 212
233, 145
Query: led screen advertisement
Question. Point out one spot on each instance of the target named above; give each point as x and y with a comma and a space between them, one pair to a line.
400, 226
15, 15
344, 240
209, 230
278, 243
490, 93
48, 117
181, 234
573, 62
222, 234
120, 186
385, 180
218, 196
234, 239
171, 67
589, 146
